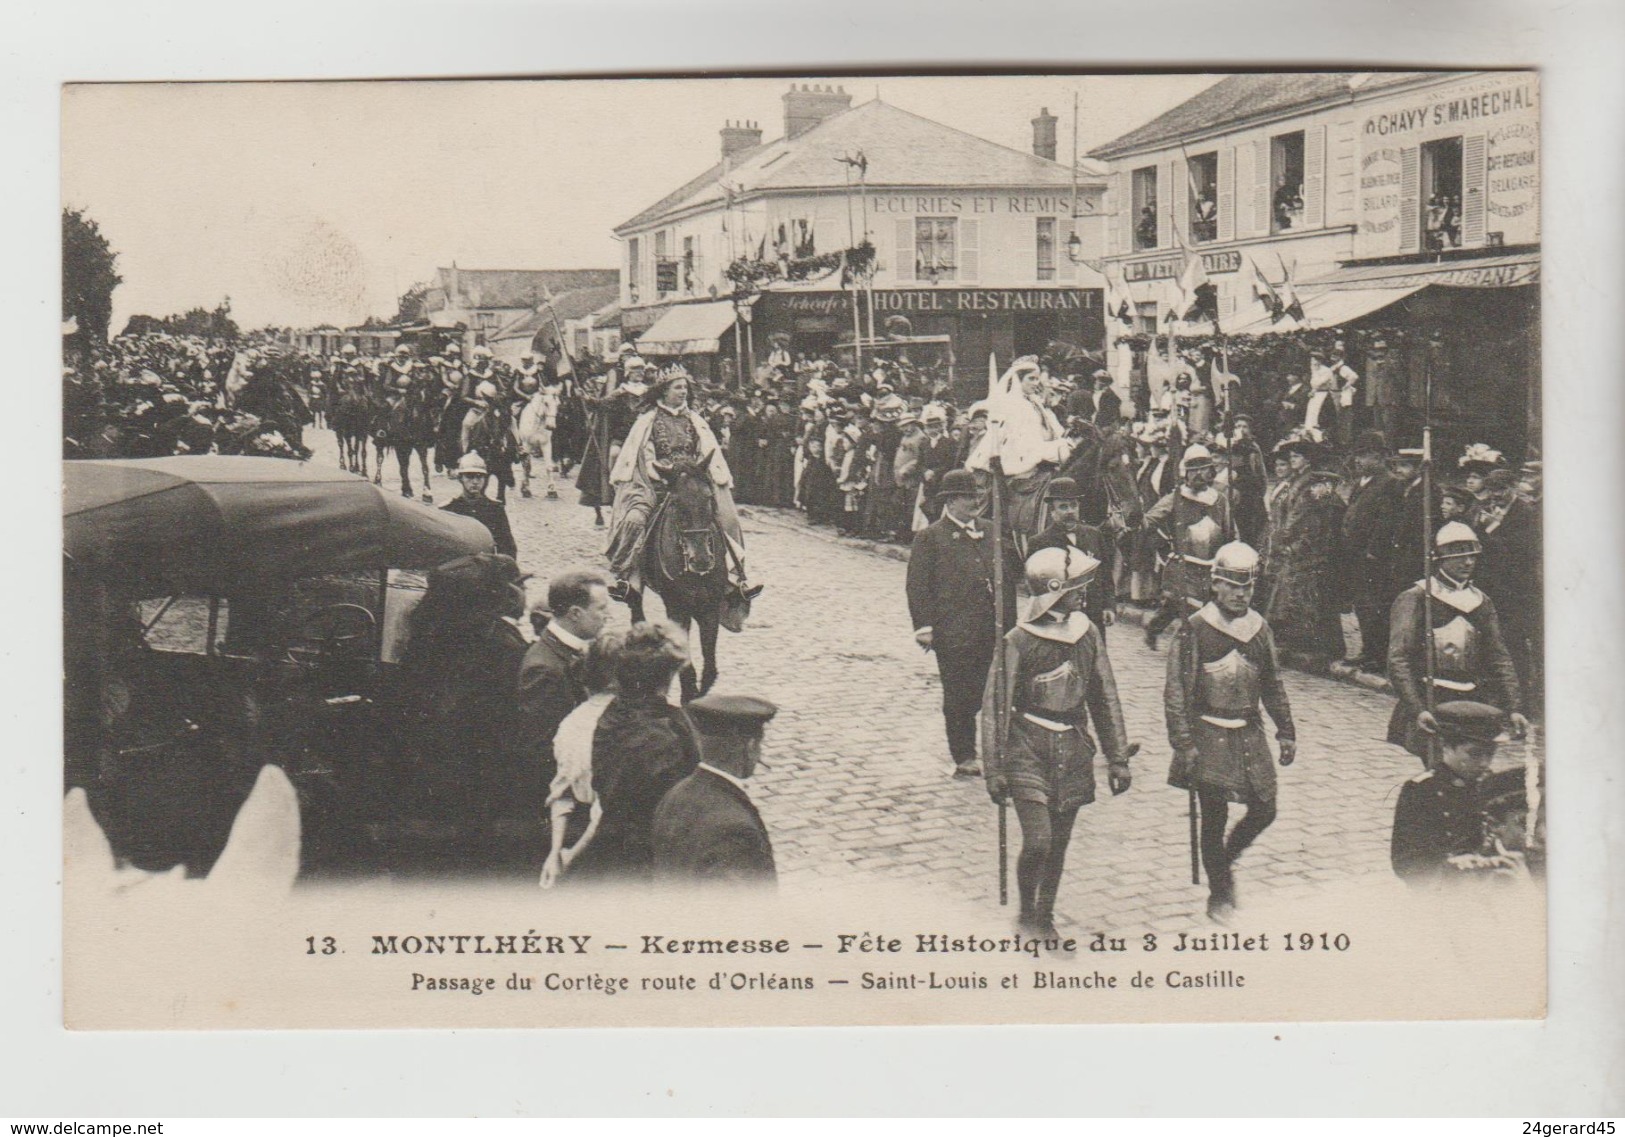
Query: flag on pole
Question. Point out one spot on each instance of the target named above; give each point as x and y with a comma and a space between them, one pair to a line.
1290, 304
1201, 297
1264, 292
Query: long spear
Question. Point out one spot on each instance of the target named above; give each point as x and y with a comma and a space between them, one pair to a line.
1001, 709
1427, 551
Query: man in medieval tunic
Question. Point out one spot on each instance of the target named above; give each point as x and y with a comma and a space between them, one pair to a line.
1056, 679
1470, 659
1194, 521
665, 438
1221, 667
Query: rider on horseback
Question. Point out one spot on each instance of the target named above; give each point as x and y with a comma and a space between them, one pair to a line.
666, 439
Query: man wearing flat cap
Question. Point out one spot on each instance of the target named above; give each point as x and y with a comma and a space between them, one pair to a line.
706, 830
1451, 821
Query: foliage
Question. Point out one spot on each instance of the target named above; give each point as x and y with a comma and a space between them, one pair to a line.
216, 324
855, 265
413, 305
88, 275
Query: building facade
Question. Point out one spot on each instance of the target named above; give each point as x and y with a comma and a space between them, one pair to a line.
972, 242
1408, 199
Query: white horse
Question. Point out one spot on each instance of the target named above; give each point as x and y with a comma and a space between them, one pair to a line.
536, 425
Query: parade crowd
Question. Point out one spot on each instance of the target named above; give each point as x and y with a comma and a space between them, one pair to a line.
1245, 521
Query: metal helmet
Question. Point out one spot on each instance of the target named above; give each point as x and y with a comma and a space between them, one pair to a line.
1236, 563
1196, 457
1052, 573
1455, 540
486, 390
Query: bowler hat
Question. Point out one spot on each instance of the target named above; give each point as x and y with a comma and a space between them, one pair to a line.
1370, 442
1062, 489
1462, 720
958, 483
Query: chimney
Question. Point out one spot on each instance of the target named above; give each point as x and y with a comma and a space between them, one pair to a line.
805, 107
1044, 134
740, 136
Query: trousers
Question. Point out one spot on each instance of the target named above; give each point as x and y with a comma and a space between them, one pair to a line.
1045, 834
1373, 620
963, 670
1218, 852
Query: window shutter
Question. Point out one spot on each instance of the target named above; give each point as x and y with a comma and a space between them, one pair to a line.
1472, 189
1165, 205
1261, 188
1227, 194
1410, 203
1314, 177
904, 254
1179, 186
1064, 268
1244, 191
1122, 222
970, 256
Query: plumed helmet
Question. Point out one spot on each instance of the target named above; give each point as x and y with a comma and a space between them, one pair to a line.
1236, 563
1455, 540
1195, 458
1052, 573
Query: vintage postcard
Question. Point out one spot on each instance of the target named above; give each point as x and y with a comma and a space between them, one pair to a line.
768, 551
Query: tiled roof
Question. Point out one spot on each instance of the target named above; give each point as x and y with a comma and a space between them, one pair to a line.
566, 306
1238, 98
513, 288
903, 150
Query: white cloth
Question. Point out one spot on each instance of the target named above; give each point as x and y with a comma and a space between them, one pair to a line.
1027, 434
572, 749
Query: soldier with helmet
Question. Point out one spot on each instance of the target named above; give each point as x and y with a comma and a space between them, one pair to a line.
1194, 520
1221, 668
1470, 658
1057, 679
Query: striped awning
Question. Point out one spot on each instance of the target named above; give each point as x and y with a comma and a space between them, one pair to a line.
1324, 310
688, 329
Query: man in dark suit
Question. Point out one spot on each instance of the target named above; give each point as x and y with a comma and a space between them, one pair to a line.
549, 687
950, 600
1108, 405
1067, 529
1368, 527
706, 830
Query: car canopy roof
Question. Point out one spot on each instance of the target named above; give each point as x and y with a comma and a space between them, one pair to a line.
225, 525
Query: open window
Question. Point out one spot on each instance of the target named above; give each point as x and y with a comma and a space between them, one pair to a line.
1203, 175
1441, 195
1144, 204
936, 254
1286, 182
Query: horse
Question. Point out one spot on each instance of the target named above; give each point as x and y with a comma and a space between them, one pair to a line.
353, 413
488, 432
537, 423
408, 425
685, 561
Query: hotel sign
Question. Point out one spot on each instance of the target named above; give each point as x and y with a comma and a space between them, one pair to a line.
944, 300
1171, 267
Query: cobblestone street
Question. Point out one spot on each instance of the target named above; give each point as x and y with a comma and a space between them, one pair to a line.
857, 780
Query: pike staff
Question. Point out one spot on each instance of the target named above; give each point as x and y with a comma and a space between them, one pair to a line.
1001, 699
1428, 564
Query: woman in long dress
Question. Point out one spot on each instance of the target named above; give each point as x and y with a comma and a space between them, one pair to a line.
1304, 605
666, 437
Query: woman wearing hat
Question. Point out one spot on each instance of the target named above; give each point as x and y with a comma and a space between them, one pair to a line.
1057, 680
666, 438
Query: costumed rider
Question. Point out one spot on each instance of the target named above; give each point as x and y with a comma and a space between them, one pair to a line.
1057, 678
1029, 441
1471, 661
666, 438
1221, 666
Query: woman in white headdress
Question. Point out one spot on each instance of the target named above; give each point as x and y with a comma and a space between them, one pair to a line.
1028, 440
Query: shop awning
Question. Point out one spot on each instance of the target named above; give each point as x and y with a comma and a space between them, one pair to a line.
688, 329
1506, 271
1330, 309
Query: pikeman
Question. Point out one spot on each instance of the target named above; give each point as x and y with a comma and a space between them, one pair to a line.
1445, 644
1221, 666
1057, 678
1195, 521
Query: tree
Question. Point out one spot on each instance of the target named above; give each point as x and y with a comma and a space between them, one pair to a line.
413, 305
88, 276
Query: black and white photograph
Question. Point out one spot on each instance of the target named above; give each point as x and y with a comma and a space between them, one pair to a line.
804, 550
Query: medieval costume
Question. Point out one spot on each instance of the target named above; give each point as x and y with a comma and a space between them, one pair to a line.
1307, 575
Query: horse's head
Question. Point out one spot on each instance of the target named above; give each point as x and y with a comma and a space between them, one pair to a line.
692, 510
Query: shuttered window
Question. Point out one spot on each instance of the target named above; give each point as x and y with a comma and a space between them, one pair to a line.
1314, 177
1410, 199
1044, 248
1165, 207
903, 254
1179, 192
1202, 197
1146, 209
1472, 190
1260, 223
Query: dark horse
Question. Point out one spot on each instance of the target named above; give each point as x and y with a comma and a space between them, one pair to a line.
685, 561
407, 425
354, 409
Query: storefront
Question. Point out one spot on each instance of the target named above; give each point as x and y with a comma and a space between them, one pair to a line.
1006, 322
